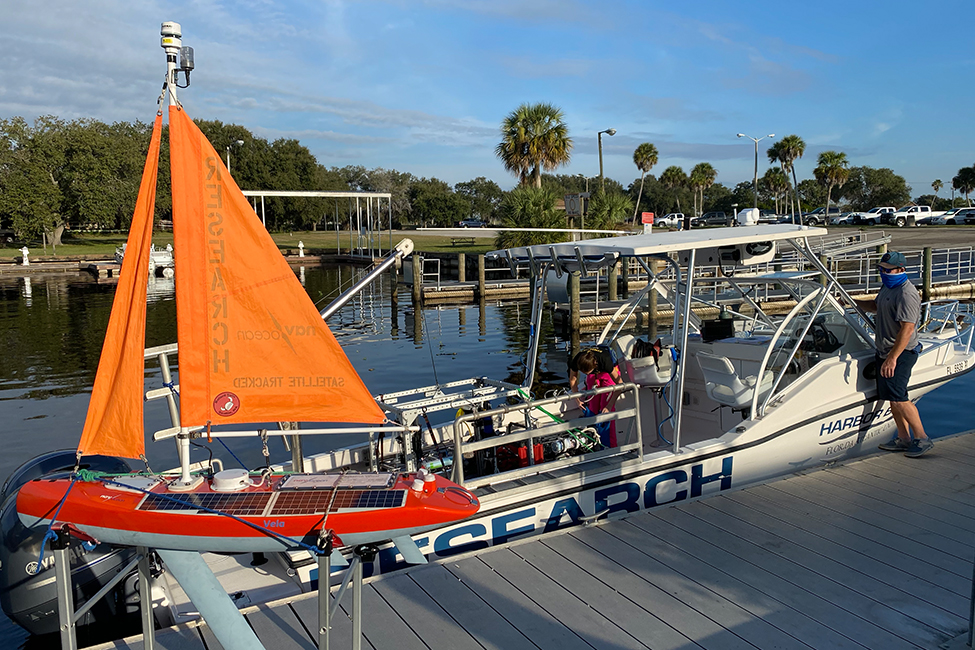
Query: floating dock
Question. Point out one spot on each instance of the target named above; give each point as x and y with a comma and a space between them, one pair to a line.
874, 553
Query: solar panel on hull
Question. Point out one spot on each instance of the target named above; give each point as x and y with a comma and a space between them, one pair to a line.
315, 501
239, 504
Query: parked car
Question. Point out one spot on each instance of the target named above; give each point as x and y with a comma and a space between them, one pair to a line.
472, 223
845, 219
819, 215
671, 220
769, 216
950, 218
714, 218
904, 215
968, 214
874, 216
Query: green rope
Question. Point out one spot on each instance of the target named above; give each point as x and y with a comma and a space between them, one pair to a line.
580, 435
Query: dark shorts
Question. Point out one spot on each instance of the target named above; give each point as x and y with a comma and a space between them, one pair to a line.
894, 389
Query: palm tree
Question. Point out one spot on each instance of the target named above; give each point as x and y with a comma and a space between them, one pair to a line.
674, 178
789, 149
831, 171
608, 209
936, 186
644, 157
530, 207
534, 137
777, 183
964, 182
702, 177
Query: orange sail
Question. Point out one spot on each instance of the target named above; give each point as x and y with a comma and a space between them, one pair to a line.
114, 425
252, 345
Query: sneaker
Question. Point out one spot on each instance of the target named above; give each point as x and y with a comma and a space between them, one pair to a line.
919, 448
897, 444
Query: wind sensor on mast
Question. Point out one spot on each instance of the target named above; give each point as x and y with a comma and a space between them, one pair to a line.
173, 45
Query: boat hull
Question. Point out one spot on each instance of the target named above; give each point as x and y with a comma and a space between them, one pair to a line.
262, 518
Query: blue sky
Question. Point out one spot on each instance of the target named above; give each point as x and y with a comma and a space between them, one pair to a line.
422, 86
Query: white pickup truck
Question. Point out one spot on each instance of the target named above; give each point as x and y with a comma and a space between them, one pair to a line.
903, 215
672, 220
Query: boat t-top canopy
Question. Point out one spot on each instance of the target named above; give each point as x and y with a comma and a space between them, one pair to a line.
668, 242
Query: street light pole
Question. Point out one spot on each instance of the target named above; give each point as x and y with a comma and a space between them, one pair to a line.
756, 140
238, 143
599, 138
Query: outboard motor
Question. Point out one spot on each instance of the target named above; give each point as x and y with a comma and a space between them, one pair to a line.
28, 593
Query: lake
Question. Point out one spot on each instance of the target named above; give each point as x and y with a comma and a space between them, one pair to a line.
52, 327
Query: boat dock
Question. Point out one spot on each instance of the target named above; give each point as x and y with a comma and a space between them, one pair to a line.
874, 553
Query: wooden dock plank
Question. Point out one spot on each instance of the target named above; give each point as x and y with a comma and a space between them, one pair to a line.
884, 606
278, 627
823, 539
488, 628
586, 622
890, 522
711, 545
541, 628
306, 609
183, 637
853, 533
628, 615
642, 561
919, 509
686, 620
423, 614
684, 559
902, 493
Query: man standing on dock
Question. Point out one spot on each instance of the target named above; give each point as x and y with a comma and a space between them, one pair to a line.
898, 309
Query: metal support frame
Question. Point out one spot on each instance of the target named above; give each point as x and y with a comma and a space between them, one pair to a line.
326, 610
678, 387
68, 617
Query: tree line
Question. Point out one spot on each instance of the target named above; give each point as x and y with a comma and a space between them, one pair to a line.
86, 173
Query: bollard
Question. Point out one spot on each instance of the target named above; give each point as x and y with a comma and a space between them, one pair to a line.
614, 274
461, 267
574, 279
417, 278
301, 248
926, 275
25, 253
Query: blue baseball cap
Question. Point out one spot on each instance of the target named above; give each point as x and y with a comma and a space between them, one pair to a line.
894, 259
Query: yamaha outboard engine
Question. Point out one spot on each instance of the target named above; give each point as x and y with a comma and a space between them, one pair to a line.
28, 593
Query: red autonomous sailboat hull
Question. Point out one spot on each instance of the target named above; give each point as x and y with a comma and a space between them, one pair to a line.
283, 512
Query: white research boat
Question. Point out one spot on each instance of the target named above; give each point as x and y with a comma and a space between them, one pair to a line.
777, 387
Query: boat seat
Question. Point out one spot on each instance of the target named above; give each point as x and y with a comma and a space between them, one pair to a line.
642, 371
725, 387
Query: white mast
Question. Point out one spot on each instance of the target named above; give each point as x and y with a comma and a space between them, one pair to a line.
172, 44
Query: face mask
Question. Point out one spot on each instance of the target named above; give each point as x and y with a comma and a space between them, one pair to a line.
892, 280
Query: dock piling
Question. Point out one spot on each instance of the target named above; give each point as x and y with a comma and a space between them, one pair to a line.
417, 278
614, 275
574, 280
480, 277
461, 267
